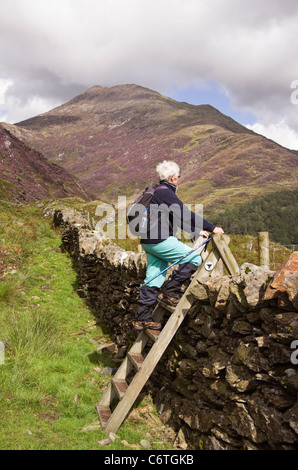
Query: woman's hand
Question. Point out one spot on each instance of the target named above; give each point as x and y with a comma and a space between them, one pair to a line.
203, 233
218, 230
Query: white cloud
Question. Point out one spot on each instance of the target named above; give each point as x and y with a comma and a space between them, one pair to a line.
280, 132
51, 51
4, 86
18, 111
15, 109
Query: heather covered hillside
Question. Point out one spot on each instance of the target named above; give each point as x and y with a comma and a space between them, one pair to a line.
26, 175
112, 139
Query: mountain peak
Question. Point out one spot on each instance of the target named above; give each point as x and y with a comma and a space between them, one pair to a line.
115, 93
111, 138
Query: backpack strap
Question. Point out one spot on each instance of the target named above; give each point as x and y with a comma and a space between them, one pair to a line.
160, 186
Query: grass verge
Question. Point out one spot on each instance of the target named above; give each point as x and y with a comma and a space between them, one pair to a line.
51, 377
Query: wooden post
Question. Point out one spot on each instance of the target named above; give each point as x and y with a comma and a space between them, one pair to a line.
221, 243
263, 241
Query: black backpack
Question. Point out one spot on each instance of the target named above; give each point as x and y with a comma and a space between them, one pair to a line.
140, 207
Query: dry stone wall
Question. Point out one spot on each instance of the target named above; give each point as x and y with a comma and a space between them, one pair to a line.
229, 378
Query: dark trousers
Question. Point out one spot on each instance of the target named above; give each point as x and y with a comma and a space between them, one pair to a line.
148, 295
178, 277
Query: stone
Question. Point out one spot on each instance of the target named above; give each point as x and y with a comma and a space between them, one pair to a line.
269, 420
188, 350
276, 286
111, 347
262, 341
290, 283
278, 397
255, 280
223, 295
222, 389
219, 292
120, 352
242, 327
242, 422
92, 427
198, 419
111, 438
251, 357
291, 416
290, 382
145, 444
281, 326
180, 442
104, 442
240, 378
218, 358
218, 445
224, 437
107, 371
199, 291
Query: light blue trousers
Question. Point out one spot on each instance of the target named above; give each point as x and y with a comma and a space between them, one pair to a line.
160, 255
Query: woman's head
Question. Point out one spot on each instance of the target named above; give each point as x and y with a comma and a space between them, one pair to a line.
168, 169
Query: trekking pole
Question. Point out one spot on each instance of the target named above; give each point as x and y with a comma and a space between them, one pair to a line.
176, 262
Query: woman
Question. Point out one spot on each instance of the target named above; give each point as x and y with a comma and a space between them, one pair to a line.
162, 247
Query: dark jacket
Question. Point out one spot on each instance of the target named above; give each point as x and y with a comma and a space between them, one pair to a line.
164, 223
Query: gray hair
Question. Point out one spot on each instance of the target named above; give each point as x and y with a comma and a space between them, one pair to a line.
166, 169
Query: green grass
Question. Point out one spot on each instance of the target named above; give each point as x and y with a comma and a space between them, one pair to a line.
49, 385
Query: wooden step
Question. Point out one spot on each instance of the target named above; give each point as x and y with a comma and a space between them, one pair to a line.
136, 359
120, 386
166, 306
104, 414
153, 334
146, 366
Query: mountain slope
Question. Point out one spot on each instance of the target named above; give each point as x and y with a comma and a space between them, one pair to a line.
112, 139
276, 213
26, 175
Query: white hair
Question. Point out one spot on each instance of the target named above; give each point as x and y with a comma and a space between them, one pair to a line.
166, 169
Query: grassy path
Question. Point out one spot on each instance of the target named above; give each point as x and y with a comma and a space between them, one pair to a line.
50, 380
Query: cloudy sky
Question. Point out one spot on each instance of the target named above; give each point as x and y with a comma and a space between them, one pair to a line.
240, 56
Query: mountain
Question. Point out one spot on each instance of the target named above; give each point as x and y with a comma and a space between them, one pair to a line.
112, 138
26, 175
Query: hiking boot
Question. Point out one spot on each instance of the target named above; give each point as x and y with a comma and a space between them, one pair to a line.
169, 300
149, 325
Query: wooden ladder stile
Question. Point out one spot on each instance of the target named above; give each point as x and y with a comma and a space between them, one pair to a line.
221, 243
145, 364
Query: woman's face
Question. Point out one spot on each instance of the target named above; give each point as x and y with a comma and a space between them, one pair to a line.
174, 180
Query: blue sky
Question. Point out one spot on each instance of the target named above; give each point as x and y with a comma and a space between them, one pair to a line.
239, 56
214, 95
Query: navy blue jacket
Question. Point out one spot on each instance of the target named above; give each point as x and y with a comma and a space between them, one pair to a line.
180, 217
